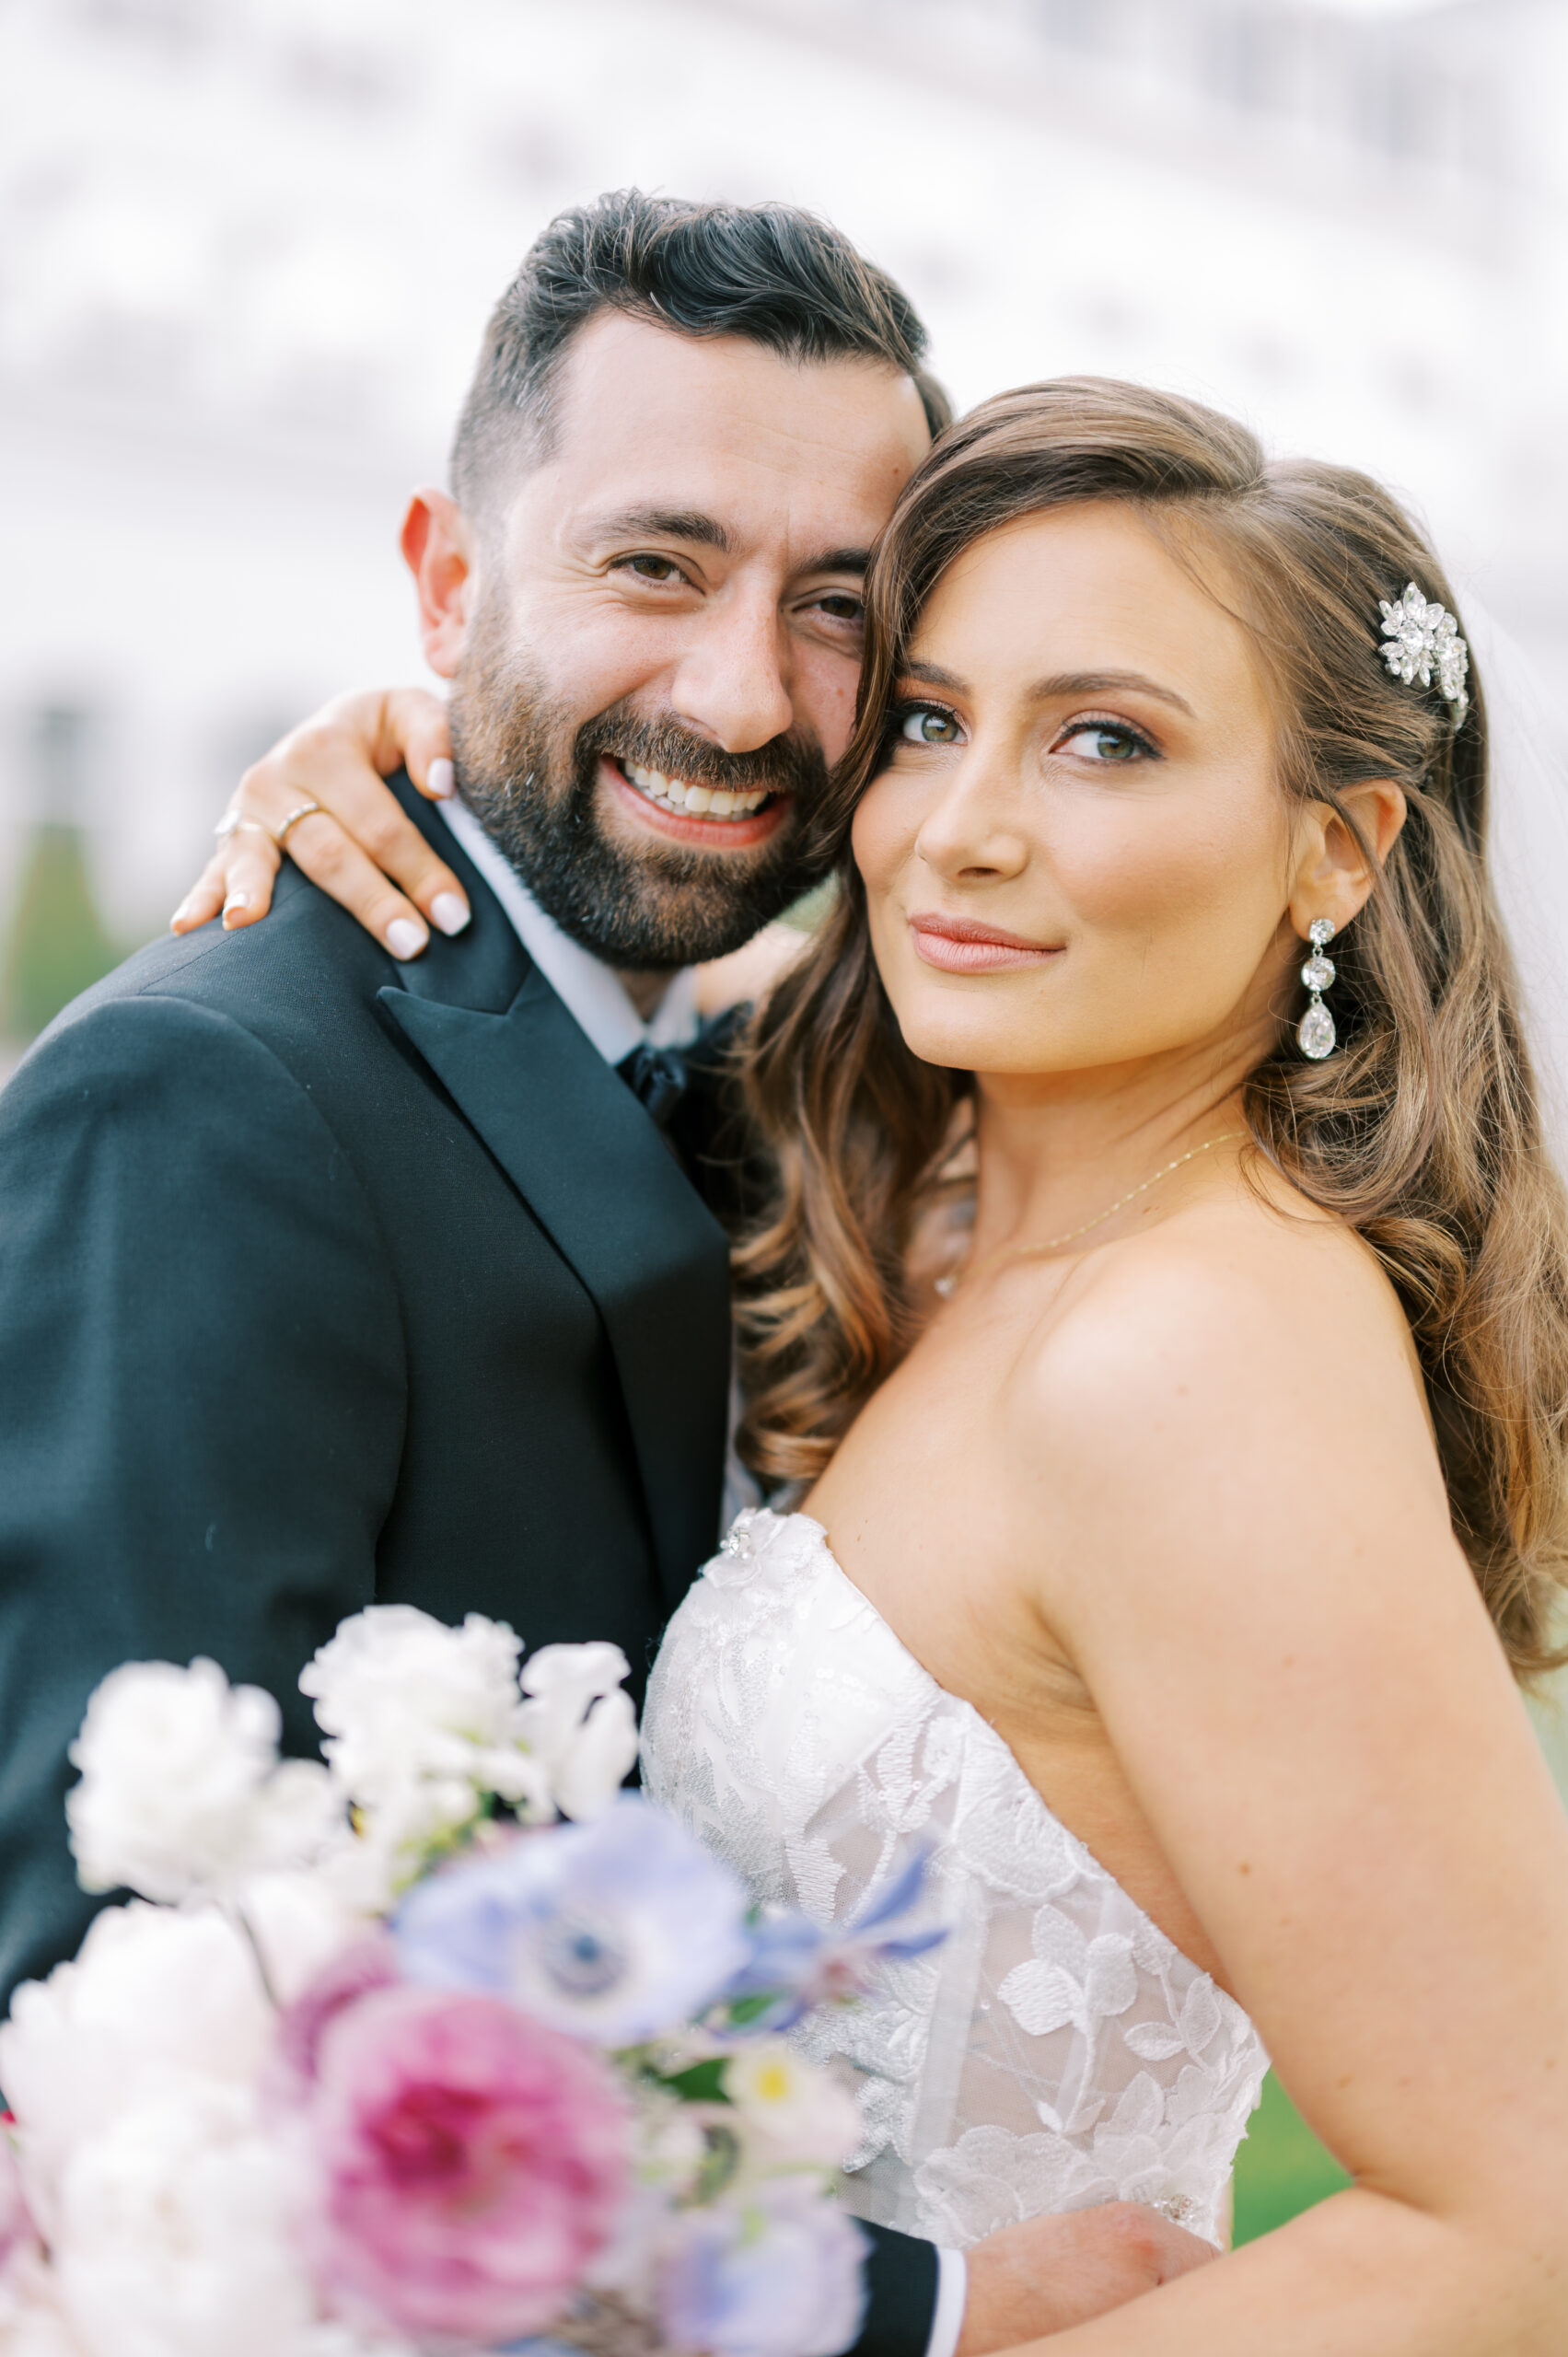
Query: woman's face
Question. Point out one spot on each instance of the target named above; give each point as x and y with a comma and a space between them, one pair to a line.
1078, 854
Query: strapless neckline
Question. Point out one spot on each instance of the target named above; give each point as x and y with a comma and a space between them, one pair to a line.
1058, 2049
981, 1732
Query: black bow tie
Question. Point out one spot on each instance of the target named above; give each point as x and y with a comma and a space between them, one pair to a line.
657, 1077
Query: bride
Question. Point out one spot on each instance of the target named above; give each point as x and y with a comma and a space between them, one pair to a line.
1161, 1320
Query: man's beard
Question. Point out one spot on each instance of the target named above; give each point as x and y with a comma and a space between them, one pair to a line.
530, 777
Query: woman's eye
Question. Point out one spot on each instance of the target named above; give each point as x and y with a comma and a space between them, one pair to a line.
1098, 740
924, 724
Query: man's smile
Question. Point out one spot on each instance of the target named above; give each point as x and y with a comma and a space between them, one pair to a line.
695, 814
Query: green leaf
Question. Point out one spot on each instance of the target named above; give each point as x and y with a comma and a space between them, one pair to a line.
704, 2082
746, 2010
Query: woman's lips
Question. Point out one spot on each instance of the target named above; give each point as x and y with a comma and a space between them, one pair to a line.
958, 945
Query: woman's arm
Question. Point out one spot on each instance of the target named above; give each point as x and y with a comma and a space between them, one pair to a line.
1226, 1480
359, 847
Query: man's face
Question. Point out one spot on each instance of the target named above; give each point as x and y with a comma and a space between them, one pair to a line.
656, 647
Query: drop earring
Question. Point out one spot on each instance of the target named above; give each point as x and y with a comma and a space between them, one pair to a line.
1315, 1033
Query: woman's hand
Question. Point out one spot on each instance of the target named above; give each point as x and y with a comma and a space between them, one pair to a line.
358, 844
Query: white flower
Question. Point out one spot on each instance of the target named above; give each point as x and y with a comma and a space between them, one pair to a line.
422, 1721
789, 2110
154, 2002
334, 2339
181, 1788
298, 1922
396, 1688
578, 1725
175, 2234
30, 2321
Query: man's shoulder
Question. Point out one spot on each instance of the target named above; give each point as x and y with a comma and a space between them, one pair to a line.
302, 984
306, 945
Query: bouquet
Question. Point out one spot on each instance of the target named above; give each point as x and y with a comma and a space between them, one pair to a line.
447, 2045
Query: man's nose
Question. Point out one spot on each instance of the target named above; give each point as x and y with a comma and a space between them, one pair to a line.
732, 681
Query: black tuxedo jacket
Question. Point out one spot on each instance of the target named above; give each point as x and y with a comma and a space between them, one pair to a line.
325, 1282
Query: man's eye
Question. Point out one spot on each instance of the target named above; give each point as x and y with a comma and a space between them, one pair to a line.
841, 607
653, 568
926, 723
1098, 740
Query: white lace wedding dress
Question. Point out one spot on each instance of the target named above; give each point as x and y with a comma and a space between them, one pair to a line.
1056, 2049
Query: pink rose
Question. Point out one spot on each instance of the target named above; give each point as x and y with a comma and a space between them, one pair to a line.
366, 1963
473, 2163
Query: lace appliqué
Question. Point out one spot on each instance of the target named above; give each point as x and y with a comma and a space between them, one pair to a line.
1056, 2050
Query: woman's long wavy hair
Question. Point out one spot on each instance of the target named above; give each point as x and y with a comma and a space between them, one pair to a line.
1420, 1132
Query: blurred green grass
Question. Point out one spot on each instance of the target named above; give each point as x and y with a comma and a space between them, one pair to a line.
1281, 2168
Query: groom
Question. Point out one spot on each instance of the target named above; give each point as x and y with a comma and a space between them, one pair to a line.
327, 1280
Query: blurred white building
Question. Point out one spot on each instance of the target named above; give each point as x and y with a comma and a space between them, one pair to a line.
246, 248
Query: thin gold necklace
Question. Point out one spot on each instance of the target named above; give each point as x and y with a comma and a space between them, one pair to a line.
948, 1284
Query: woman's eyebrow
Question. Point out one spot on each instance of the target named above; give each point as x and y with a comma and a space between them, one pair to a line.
932, 675
1100, 684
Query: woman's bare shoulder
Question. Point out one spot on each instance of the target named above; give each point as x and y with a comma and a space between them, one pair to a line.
1247, 1311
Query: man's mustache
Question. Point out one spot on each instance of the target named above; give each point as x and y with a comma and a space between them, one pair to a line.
787, 766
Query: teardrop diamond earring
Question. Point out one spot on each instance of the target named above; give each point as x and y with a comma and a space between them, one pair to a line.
1315, 1033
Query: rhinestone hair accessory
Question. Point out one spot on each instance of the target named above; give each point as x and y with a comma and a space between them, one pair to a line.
1421, 638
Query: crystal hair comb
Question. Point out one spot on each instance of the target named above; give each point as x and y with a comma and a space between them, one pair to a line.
1420, 638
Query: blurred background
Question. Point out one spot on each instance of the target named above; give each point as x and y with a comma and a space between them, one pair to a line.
246, 248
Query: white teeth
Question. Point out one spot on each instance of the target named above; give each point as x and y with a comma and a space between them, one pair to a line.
714, 802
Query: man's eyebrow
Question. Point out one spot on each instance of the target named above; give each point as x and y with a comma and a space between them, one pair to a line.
1100, 684
853, 561
658, 524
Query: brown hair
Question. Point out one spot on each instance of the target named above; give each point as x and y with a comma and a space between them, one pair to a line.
1421, 1131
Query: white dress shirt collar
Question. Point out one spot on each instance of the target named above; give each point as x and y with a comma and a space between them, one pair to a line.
590, 991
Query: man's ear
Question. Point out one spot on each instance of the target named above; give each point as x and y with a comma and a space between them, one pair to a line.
438, 543
1333, 880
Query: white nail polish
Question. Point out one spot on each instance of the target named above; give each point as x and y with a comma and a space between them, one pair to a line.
404, 938
439, 779
450, 912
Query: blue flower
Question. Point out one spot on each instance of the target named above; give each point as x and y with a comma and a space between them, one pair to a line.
615, 1932
797, 1965
780, 2276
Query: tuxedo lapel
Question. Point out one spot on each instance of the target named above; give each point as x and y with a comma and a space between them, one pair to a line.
600, 1181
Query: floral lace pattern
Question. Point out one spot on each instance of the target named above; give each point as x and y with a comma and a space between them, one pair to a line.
1056, 2049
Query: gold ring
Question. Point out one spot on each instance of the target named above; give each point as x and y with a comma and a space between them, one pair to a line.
231, 823
304, 811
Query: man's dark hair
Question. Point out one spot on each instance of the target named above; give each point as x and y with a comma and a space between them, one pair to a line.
771, 273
